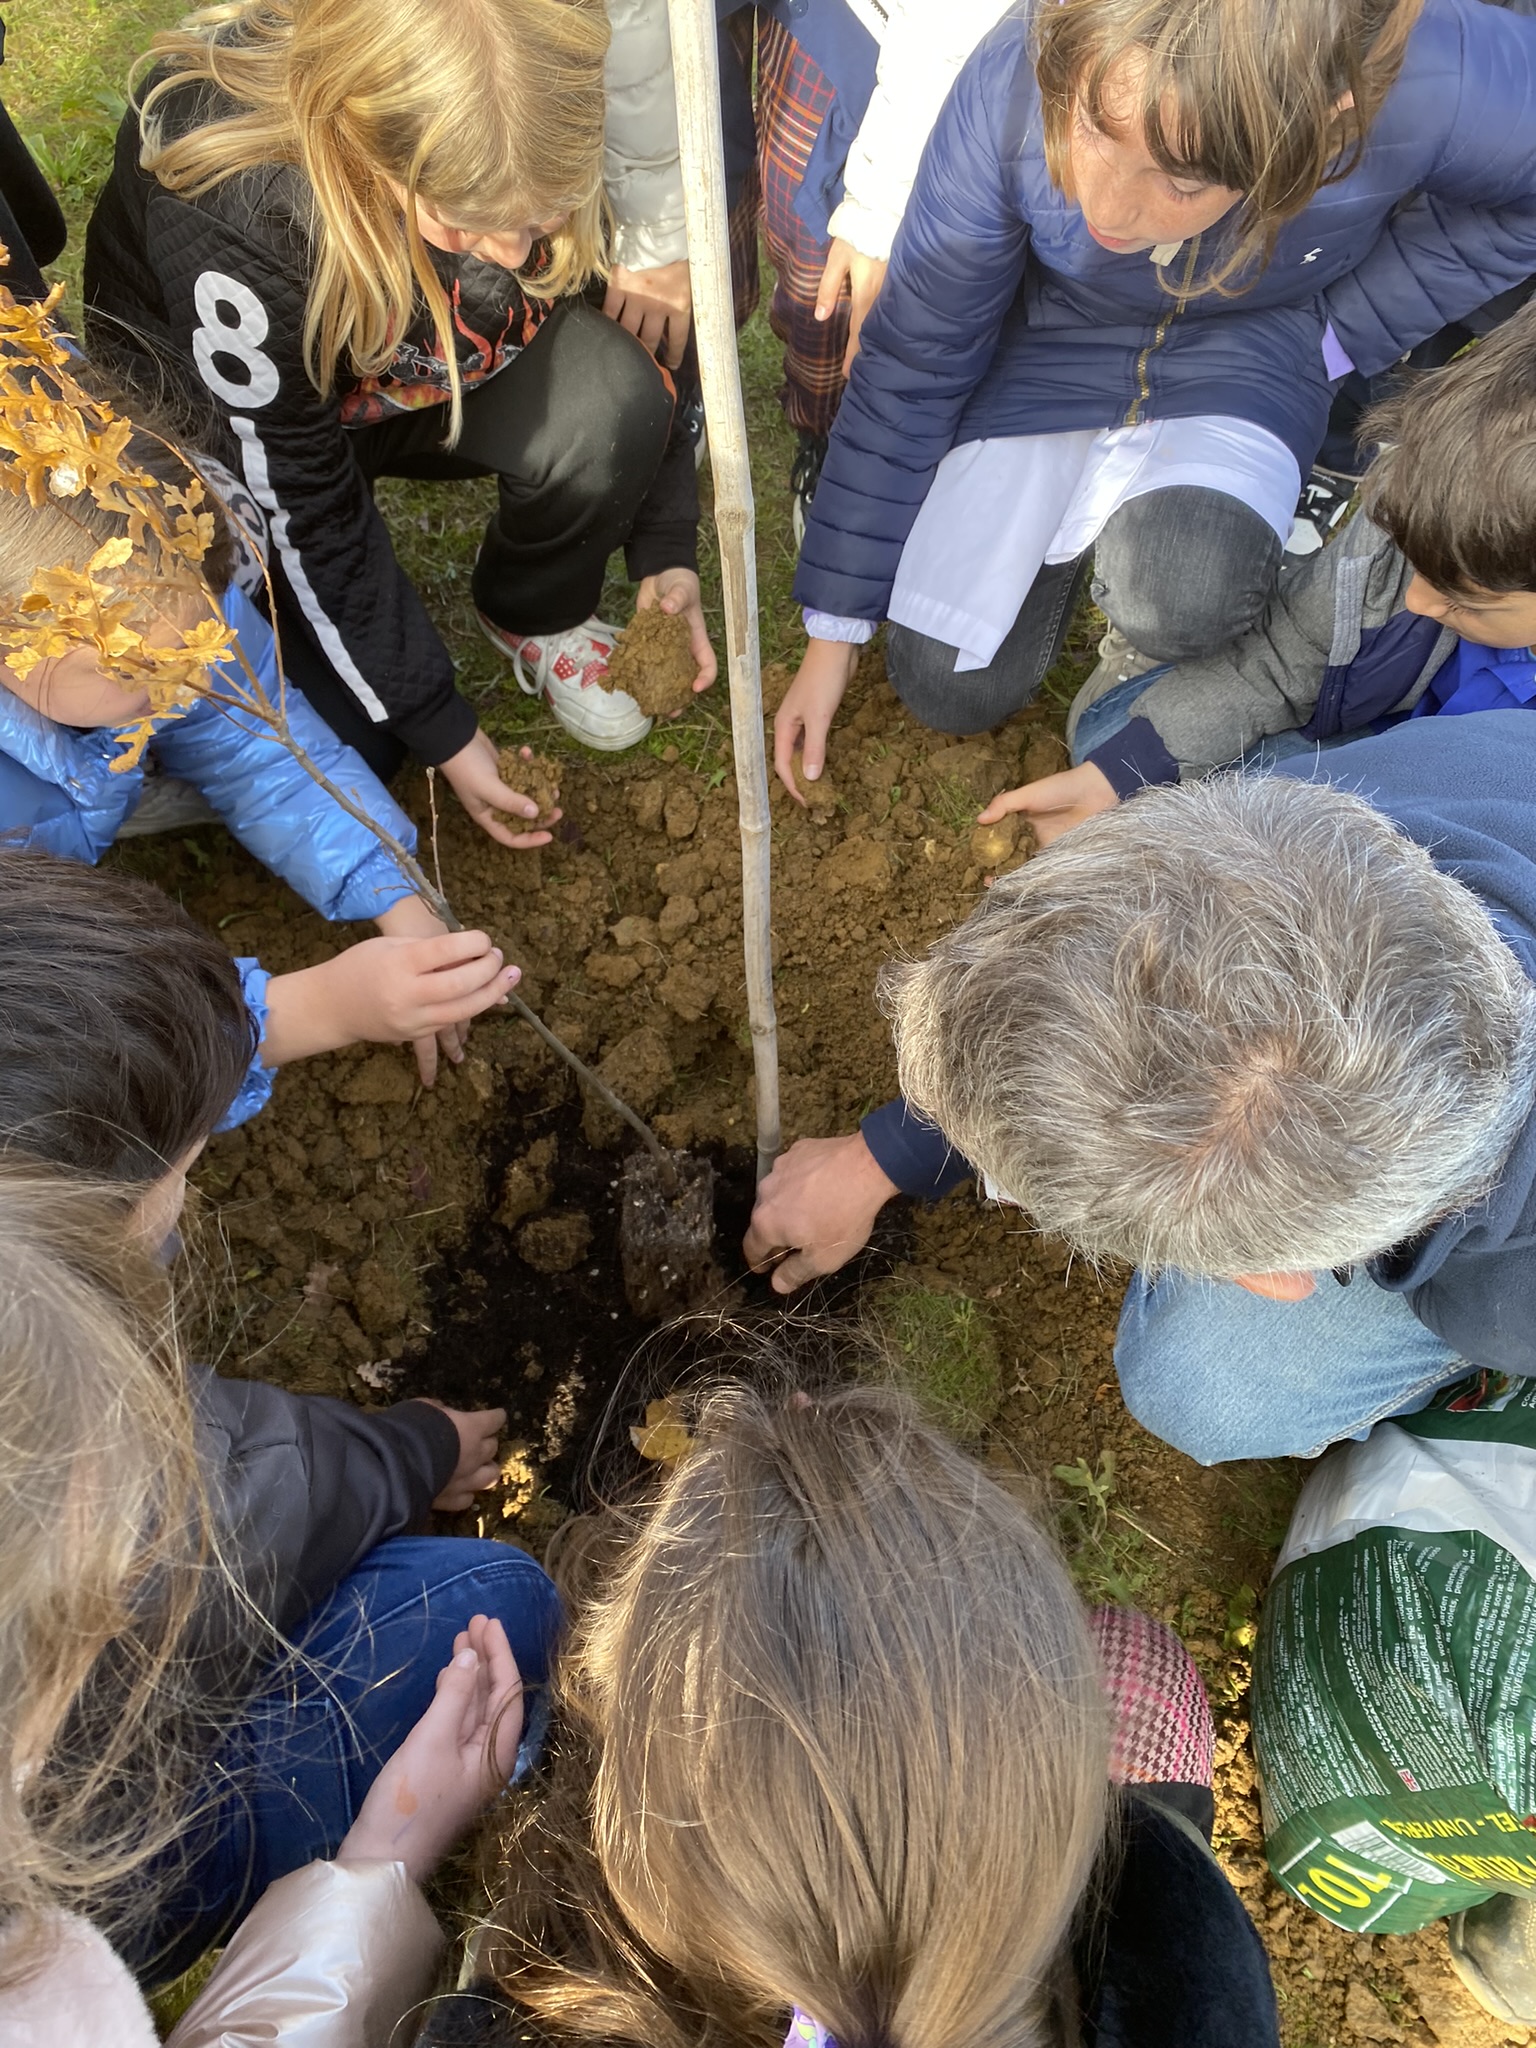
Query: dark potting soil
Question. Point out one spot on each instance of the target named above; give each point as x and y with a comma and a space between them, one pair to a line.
561, 1351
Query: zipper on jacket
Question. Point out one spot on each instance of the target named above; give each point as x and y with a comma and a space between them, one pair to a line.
1143, 361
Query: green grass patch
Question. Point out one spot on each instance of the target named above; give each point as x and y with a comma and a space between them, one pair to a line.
942, 1350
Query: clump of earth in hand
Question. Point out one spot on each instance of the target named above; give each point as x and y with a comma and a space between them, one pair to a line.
532, 775
653, 661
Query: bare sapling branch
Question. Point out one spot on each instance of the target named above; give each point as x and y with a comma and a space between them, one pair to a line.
142, 605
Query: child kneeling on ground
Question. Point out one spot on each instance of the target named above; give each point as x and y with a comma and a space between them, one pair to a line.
123, 1036
102, 1496
1424, 606
64, 788
849, 1769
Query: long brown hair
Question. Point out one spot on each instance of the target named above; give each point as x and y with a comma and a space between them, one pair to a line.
1270, 98
848, 1751
489, 111
106, 1551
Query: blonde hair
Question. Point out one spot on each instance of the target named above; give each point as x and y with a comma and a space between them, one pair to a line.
850, 1753
105, 1549
1270, 100
490, 112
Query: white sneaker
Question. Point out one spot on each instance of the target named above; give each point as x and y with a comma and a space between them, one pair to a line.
568, 671
167, 805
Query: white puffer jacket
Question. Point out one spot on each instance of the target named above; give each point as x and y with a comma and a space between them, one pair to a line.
641, 168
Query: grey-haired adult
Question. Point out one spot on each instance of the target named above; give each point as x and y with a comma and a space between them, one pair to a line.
1272, 1040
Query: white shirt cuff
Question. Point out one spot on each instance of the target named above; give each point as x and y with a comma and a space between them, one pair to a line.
828, 626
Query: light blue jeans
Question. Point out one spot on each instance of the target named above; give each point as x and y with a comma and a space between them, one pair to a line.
1221, 1373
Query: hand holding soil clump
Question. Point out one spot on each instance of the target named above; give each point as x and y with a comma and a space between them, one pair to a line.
532, 775
654, 661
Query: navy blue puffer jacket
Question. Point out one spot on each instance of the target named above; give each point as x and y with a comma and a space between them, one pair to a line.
1001, 315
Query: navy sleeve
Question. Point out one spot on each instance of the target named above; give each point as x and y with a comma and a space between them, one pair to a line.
916, 1155
1133, 757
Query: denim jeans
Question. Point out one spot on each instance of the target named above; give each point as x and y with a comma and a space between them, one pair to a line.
1221, 1373
1180, 572
311, 1743
1108, 714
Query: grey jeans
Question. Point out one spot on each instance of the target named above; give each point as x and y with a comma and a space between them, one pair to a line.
1180, 572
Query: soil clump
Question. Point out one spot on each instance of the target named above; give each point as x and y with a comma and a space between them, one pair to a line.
653, 661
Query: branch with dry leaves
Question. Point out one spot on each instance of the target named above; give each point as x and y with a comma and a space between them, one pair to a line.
141, 602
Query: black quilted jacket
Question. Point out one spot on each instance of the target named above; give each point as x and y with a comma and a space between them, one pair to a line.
205, 298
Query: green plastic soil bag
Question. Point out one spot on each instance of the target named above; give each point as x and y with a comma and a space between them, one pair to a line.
1395, 1670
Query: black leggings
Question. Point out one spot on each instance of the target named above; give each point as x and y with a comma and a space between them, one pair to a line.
573, 430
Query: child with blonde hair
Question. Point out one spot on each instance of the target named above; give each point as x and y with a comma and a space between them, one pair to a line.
847, 1767
109, 1563
363, 231
1145, 237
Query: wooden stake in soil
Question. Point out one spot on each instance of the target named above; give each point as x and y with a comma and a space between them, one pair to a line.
696, 68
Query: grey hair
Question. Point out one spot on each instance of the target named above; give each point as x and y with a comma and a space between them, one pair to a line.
1238, 1026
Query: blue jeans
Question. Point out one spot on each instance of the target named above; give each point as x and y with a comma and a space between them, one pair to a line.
1221, 1373
310, 1744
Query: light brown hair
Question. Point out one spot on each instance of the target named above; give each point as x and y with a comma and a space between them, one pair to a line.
1270, 100
489, 111
1455, 482
105, 1552
849, 1746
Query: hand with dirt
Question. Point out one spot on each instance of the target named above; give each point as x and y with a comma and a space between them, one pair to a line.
456, 1758
677, 593
810, 704
479, 1466
1056, 803
475, 779
655, 305
863, 276
822, 1197
386, 991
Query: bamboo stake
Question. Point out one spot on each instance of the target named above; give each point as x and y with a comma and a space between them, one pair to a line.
696, 69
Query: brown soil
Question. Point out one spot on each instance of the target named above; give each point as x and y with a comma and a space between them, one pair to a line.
531, 774
654, 662
377, 1240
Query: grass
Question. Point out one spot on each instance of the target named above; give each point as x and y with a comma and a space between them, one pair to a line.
942, 1350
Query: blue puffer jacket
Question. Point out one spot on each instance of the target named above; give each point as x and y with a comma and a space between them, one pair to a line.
276, 811
1001, 315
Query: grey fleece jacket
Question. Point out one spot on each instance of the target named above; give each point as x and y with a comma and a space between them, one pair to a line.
1334, 653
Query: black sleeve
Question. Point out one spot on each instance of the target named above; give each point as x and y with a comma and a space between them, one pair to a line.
233, 307
34, 223
666, 529
306, 1486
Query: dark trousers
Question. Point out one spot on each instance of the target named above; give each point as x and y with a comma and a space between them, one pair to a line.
573, 430
1180, 572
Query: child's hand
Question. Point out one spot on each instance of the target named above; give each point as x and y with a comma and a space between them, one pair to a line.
655, 305
475, 776
810, 704
863, 275
386, 991
677, 591
1056, 803
478, 1467
457, 1757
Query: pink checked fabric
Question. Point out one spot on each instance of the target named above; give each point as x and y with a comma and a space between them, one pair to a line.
1163, 1731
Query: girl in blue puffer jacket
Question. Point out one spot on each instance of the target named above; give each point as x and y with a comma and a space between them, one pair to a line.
60, 730
1145, 238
